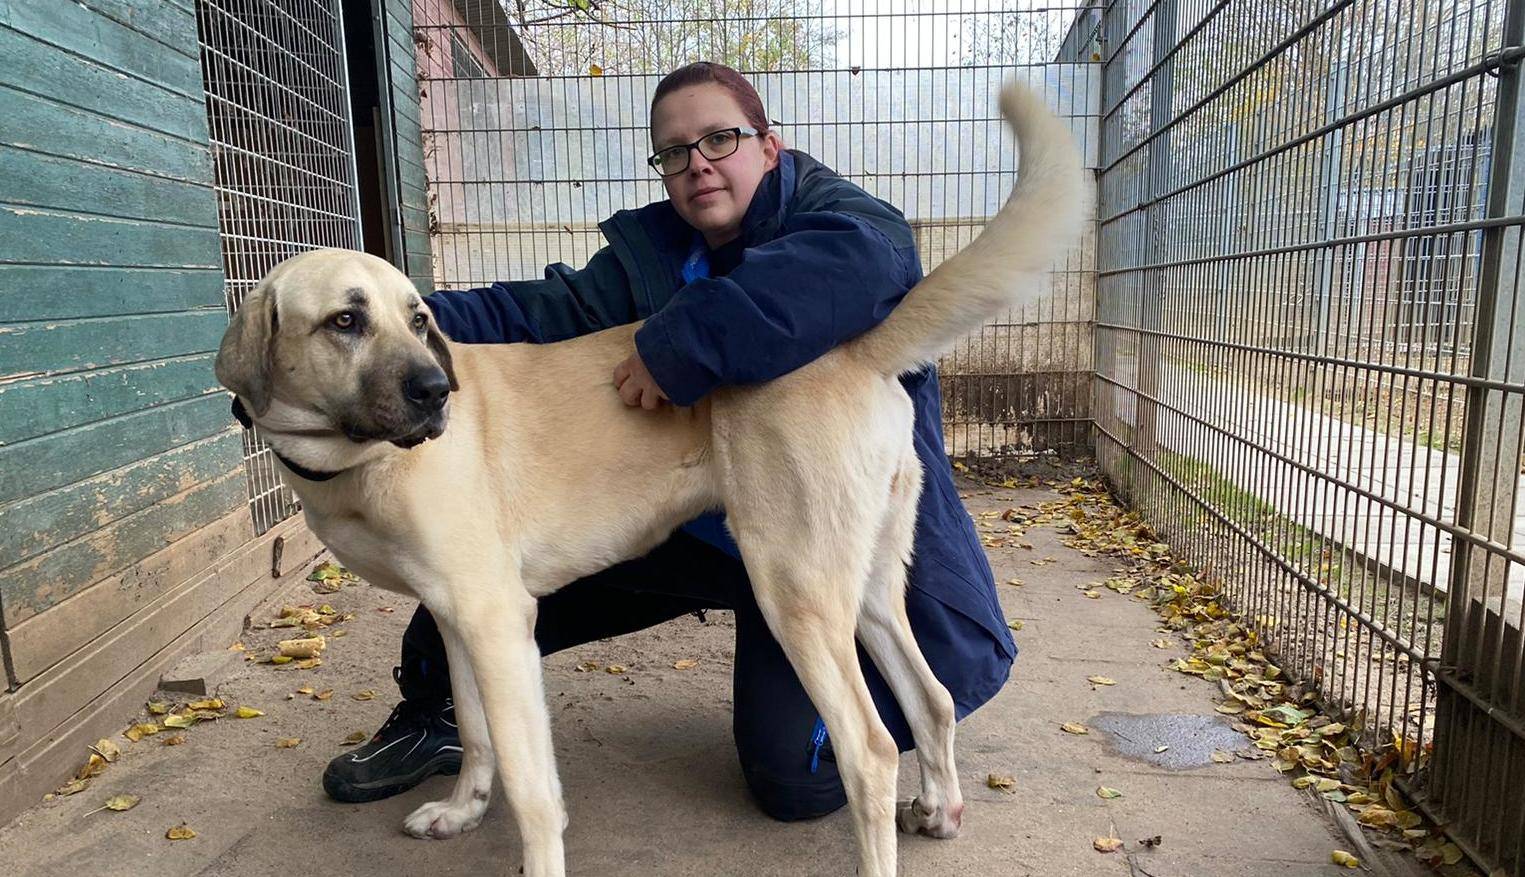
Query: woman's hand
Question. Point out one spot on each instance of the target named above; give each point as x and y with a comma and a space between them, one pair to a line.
636, 386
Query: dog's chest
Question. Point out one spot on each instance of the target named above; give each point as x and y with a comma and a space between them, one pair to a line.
373, 555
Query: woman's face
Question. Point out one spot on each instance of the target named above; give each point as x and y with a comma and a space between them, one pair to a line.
712, 195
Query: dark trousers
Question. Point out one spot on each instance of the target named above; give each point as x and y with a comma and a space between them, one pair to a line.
774, 722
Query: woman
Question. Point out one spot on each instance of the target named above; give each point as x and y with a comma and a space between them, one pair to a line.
760, 260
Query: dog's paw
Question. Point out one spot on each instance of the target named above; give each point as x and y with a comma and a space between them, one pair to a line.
444, 819
914, 817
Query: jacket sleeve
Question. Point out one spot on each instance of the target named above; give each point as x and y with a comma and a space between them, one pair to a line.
565, 304
828, 277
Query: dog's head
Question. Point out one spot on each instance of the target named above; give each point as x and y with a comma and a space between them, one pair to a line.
346, 336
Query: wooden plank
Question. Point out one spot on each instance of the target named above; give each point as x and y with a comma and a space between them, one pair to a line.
45, 702
37, 123
41, 405
47, 462
170, 25
34, 179
10, 732
43, 640
63, 292
36, 524
57, 237
35, 66
42, 582
231, 591
97, 342
75, 27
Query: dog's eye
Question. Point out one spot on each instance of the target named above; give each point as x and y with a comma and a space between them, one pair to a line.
419, 322
343, 321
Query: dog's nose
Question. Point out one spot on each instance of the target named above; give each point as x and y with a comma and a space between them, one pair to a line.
427, 388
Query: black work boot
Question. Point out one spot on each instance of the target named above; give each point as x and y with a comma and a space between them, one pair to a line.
415, 743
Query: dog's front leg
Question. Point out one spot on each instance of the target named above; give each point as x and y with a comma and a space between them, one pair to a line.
463, 810
496, 626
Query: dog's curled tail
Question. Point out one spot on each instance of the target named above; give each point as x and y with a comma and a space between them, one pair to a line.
1006, 265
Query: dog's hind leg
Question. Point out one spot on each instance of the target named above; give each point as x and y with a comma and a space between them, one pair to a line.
885, 632
809, 597
463, 810
495, 622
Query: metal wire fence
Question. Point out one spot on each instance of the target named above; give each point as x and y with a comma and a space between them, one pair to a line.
535, 129
283, 160
1307, 301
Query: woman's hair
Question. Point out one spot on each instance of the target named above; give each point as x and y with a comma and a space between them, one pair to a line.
702, 72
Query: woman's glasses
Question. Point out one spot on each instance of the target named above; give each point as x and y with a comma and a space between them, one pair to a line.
714, 146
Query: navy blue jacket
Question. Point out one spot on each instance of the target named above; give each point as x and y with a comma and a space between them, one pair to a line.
819, 261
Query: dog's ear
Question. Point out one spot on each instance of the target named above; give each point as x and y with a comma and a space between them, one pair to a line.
245, 361
439, 346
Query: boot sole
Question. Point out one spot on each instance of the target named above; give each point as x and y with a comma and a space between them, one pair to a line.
347, 792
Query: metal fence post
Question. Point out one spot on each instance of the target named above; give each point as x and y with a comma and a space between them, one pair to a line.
1156, 232
1475, 749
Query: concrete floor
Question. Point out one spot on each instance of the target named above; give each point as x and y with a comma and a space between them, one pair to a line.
651, 780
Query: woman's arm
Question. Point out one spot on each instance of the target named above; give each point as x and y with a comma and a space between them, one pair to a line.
564, 305
829, 277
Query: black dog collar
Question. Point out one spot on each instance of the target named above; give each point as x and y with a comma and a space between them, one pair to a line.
241, 415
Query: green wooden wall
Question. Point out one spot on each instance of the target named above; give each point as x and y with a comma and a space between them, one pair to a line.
396, 55
115, 440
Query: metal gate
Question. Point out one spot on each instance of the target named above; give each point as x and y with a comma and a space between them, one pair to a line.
535, 129
1309, 367
278, 111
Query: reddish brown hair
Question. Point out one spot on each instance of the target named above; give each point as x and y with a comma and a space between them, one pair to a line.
704, 72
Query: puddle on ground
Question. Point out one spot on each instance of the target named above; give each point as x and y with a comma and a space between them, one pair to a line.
1191, 738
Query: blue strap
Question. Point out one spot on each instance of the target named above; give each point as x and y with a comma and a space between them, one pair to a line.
817, 740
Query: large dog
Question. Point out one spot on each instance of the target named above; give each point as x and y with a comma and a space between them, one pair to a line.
544, 476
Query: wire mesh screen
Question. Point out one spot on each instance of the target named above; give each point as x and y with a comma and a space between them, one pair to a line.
535, 129
1307, 291
283, 159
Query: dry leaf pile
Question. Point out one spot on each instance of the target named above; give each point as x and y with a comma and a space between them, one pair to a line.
1283, 722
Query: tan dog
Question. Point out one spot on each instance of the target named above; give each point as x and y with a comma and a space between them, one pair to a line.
544, 476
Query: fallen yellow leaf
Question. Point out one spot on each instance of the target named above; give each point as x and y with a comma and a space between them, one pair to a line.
180, 832
1015, 624
325, 694
303, 648
287, 742
615, 669
173, 721
1075, 728
1101, 680
308, 664
281, 659
367, 694
122, 802
1001, 782
73, 787
1107, 844
1340, 857
595, 70
357, 737
211, 703
685, 664
1107, 792
174, 740
139, 731
1222, 757
586, 667
158, 707
248, 712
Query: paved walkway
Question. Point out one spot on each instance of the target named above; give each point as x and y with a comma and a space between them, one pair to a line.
1400, 471
651, 779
